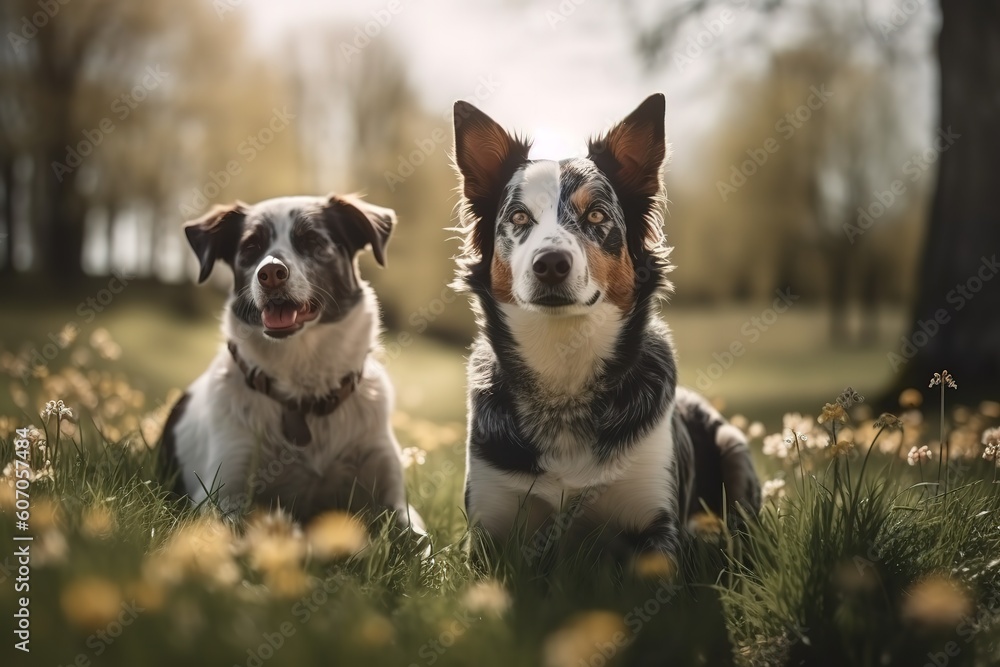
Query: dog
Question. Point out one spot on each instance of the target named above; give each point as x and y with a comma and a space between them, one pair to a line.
293, 411
573, 396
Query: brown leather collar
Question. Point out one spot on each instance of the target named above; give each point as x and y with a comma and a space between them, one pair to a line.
294, 410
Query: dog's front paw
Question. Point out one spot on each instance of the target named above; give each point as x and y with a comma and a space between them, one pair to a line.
409, 522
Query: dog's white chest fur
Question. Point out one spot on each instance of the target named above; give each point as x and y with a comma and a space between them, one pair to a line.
567, 354
230, 442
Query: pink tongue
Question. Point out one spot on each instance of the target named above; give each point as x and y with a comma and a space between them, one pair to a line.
279, 317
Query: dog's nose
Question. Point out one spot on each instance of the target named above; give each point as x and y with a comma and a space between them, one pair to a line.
552, 266
272, 272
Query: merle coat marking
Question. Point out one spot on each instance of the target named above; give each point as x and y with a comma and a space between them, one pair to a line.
307, 328
572, 379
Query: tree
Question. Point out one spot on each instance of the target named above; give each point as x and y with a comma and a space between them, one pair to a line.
956, 320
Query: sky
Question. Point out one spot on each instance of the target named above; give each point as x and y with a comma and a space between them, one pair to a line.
562, 70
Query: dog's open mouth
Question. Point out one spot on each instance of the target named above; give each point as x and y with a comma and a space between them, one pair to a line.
282, 318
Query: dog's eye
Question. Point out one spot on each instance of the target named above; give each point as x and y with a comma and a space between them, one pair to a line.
309, 236
519, 218
596, 217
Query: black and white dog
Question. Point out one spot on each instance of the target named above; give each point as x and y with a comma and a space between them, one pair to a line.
293, 411
572, 380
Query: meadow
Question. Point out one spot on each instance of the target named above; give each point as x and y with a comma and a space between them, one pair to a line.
858, 557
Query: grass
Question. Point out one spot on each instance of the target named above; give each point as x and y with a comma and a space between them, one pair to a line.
859, 559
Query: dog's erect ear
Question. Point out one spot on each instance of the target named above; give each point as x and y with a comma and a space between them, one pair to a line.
357, 224
632, 152
487, 157
216, 235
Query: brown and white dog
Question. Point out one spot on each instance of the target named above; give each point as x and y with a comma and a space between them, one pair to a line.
294, 410
573, 396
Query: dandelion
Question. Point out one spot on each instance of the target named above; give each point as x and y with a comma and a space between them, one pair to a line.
50, 548
584, 637
833, 413
856, 577
918, 455
889, 422
849, 398
91, 603
200, 549
44, 473
655, 565
842, 448
148, 595
97, 522
990, 409
944, 379
756, 430
56, 409
936, 602
35, 437
773, 490
336, 535
911, 398
8, 497
488, 598
991, 436
706, 527
776, 446
740, 422
991, 448
793, 422
374, 630
287, 582
273, 542
413, 455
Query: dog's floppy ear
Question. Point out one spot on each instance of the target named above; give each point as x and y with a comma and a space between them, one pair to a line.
357, 224
632, 154
216, 235
487, 157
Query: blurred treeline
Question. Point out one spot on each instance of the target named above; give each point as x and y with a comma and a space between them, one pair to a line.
120, 120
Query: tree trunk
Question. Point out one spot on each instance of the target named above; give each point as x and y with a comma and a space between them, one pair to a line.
9, 175
58, 207
956, 321
64, 247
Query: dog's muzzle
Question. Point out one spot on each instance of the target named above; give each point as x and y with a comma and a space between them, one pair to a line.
281, 315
